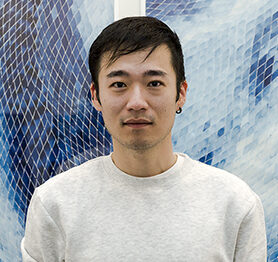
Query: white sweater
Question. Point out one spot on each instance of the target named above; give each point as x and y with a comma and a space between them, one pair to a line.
192, 212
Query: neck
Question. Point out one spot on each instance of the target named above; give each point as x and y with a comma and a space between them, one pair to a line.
145, 163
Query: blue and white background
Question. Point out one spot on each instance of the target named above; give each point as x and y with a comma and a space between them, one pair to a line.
48, 124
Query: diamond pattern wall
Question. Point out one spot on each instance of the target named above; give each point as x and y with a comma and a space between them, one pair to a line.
48, 124
230, 117
47, 121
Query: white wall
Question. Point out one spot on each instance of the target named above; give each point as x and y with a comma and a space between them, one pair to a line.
124, 8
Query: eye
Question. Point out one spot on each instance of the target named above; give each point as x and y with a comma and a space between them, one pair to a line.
155, 83
118, 85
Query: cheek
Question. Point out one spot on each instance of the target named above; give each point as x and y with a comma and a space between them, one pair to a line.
165, 106
111, 106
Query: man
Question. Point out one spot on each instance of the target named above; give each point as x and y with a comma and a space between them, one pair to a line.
143, 202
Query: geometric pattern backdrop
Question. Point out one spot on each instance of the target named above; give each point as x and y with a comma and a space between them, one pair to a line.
48, 123
230, 119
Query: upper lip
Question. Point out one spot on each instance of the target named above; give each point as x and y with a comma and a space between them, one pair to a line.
137, 121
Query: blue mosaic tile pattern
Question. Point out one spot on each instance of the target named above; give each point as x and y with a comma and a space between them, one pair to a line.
47, 121
230, 117
167, 9
48, 124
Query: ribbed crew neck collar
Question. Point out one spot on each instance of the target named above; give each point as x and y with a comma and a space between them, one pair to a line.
168, 177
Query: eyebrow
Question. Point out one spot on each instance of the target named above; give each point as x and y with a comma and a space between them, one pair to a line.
117, 73
146, 73
155, 73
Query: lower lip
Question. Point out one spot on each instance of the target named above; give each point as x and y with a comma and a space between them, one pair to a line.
137, 126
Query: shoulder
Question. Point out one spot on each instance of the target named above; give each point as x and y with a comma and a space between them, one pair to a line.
73, 180
221, 183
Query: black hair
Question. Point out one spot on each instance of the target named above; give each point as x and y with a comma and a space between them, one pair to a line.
133, 34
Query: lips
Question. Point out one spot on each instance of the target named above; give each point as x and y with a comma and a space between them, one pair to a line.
137, 123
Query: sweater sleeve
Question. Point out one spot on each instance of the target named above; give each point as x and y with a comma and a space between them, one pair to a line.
43, 240
251, 242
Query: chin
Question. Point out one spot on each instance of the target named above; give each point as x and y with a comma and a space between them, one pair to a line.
139, 146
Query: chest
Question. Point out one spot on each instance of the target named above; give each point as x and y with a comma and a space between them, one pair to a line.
142, 228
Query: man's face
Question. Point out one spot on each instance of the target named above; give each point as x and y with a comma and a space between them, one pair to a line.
138, 98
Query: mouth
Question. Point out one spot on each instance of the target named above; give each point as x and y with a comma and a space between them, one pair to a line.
137, 123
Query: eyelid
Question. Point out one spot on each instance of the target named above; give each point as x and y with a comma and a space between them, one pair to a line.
156, 81
118, 82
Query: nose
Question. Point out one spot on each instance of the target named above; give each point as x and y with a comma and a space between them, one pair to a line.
136, 99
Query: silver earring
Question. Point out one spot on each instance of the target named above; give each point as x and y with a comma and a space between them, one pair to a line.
179, 111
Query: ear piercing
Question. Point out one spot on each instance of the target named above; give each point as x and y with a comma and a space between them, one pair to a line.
179, 110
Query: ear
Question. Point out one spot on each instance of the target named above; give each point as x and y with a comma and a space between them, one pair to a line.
95, 101
182, 97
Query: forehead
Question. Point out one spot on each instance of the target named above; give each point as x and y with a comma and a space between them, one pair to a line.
159, 57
